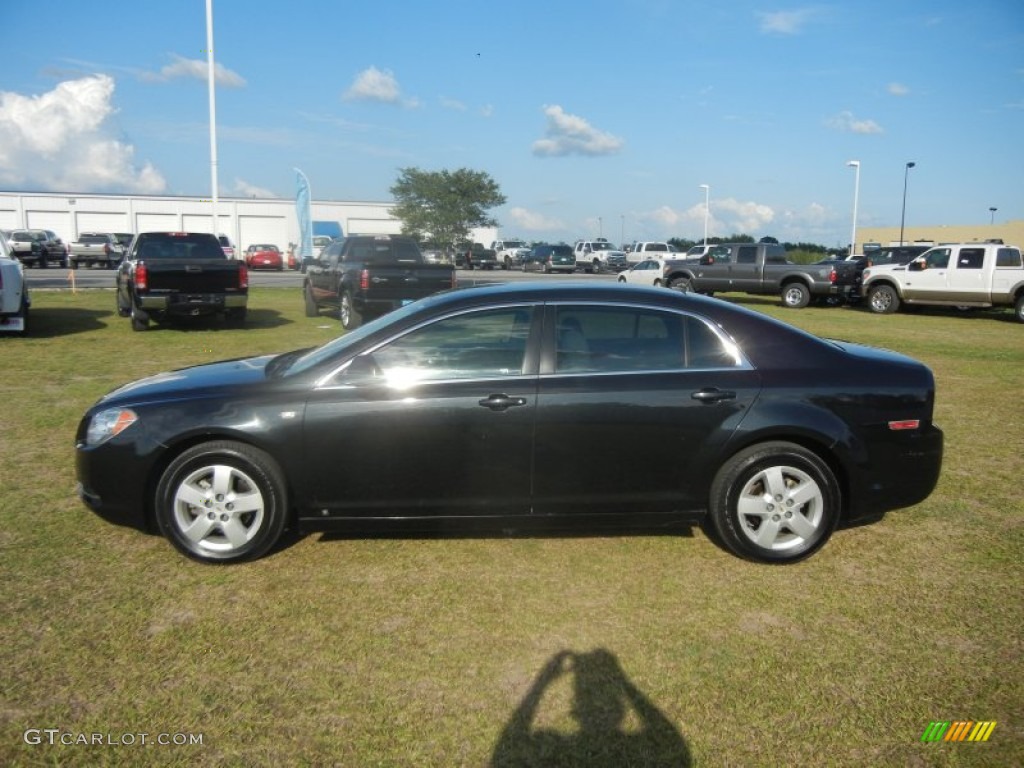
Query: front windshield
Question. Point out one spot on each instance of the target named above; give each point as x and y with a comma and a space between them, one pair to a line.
601, 247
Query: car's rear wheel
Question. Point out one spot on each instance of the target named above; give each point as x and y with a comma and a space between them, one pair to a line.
140, 319
682, 284
221, 502
350, 317
1018, 308
883, 299
312, 310
796, 295
776, 502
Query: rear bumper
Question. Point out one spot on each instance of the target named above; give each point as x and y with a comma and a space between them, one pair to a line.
191, 303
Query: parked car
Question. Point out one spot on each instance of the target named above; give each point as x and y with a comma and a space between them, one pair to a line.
682, 406
649, 272
38, 247
264, 256
366, 275
92, 248
180, 274
550, 258
125, 239
227, 246
599, 256
14, 298
475, 256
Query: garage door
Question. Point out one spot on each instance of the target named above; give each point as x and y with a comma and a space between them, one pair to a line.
9, 219
156, 222
99, 222
55, 221
253, 230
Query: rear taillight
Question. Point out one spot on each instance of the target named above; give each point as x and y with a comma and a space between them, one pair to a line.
833, 276
899, 426
364, 280
243, 276
141, 277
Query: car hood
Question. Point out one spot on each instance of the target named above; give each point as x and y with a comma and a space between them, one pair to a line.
173, 384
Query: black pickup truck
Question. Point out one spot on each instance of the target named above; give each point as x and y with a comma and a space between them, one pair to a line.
167, 274
367, 275
762, 268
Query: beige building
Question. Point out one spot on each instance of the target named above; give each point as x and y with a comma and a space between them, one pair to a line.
1010, 232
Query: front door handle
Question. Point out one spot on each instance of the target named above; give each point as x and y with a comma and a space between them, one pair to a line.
713, 395
501, 402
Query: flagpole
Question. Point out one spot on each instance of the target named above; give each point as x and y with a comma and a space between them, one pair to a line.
213, 114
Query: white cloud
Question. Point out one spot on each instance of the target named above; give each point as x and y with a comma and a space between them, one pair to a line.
847, 123
785, 22
744, 217
453, 104
197, 69
531, 221
59, 141
374, 84
572, 135
897, 89
245, 189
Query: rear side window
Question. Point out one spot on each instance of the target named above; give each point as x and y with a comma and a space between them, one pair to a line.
747, 254
620, 339
1008, 257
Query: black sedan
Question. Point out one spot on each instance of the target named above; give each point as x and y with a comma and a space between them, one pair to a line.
473, 403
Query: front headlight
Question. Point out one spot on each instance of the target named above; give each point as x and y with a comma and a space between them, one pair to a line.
106, 424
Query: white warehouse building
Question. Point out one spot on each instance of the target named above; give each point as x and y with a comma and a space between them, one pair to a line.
246, 221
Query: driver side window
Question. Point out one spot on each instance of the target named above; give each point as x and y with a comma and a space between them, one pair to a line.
474, 345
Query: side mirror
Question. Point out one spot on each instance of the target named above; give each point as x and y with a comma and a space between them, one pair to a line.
706, 259
917, 265
362, 369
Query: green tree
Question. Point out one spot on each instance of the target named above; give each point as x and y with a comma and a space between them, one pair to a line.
443, 206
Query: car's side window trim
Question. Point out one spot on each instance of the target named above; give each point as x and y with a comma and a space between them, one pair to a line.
549, 362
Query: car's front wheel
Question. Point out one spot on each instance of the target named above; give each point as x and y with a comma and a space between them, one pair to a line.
883, 299
222, 502
776, 502
1018, 308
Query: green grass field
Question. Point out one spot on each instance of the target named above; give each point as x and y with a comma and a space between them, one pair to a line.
470, 650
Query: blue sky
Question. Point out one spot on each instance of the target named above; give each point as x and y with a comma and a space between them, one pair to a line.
594, 118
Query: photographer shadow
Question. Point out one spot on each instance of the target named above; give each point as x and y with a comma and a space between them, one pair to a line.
616, 724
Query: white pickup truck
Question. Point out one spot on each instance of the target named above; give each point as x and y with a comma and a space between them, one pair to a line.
599, 256
14, 300
964, 275
510, 253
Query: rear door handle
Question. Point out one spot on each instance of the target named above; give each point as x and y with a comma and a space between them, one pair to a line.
712, 395
501, 402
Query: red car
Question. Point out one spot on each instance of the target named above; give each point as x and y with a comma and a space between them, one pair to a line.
264, 257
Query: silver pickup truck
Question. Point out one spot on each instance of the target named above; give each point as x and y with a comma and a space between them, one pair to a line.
93, 248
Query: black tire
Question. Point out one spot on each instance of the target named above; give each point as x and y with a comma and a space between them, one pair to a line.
796, 295
682, 284
775, 502
883, 299
43, 262
596, 269
123, 310
140, 318
312, 310
222, 502
73, 264
507, 266
350, 317
1018, 309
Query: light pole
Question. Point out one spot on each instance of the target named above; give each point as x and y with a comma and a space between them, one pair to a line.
903, 216
622, 230
992, 211
707, 208
213, 115
600, 227
856, 191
